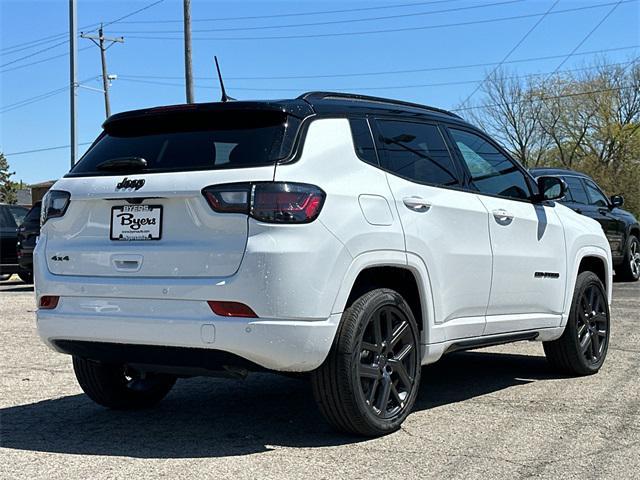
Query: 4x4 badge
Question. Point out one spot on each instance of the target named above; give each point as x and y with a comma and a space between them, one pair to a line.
126, 183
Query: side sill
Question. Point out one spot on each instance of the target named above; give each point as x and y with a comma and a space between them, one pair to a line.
490, 342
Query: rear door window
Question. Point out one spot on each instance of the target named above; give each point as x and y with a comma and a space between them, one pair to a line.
196, 142
416, 151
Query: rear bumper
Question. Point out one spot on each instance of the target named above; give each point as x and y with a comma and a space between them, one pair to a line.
282, 345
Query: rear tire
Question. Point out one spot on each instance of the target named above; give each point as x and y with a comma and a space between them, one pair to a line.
583, 346
369, 382
629, 270
26, 277
116, 387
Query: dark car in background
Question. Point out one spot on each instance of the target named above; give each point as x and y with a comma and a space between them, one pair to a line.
11, 217
620, 226
28, 233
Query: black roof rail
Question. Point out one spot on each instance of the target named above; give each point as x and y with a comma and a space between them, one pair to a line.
311, 96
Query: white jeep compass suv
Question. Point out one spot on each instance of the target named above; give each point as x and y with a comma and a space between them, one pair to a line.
352, 237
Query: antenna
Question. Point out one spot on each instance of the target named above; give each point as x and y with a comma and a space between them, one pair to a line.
225, 97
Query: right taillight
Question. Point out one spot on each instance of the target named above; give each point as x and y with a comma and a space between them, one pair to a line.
270, 202
54, 204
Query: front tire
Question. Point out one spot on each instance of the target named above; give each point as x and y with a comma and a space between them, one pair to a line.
629, 271
120, 388
369, 382
583, 346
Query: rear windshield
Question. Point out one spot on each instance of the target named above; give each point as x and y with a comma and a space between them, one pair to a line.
193, 142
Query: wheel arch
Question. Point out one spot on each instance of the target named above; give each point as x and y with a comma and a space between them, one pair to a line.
589, 258
390, 270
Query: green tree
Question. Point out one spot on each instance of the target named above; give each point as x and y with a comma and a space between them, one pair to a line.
7, 187
589, 122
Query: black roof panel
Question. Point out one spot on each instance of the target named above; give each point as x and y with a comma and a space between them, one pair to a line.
305, 105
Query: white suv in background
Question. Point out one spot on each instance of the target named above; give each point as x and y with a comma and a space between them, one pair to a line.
352, 237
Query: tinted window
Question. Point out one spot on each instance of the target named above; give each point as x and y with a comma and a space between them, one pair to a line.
491, 171
229, 140
6, 219
18, 213
362, 140
416, 151
34, 214
576, 189
595, 195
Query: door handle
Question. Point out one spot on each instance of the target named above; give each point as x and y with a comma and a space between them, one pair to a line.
502, 215
417, 204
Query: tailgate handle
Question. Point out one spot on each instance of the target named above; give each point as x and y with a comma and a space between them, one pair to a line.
127, 263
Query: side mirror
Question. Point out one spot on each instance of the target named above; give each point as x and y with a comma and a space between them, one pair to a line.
550, 188
617, 200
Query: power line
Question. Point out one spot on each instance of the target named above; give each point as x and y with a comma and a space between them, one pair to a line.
298, 14
604, 90
89, 28
391, 30
331, 22
387, 72
543, 99
45, 149
33, 54
513, 49
32, 44
586, 37
38, 98
386, 87
131, 14
53, 57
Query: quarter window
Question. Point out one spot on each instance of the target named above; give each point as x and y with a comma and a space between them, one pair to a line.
491, 171
363, 141
576, 189
416, 151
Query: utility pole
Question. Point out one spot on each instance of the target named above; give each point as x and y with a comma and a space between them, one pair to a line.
188, 74
73, 78
101, 39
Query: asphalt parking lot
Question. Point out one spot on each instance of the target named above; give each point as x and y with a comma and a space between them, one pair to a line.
493, 413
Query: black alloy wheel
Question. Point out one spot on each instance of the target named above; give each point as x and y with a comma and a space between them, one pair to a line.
592, 324
370, 380
582, 348
387, 366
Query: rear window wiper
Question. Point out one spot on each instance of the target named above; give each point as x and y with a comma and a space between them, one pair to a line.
122, 164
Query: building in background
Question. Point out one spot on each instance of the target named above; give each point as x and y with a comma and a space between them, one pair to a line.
39, 189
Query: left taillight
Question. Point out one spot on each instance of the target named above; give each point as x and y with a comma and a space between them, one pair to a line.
270, 202
48, 302
54, 204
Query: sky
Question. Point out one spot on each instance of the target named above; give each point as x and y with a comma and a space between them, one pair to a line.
404, 49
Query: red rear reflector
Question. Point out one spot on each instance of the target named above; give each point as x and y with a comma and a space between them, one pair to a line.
231, 309
48, 302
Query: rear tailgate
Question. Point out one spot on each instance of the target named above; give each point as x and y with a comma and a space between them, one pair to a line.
194, 240
137, 207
